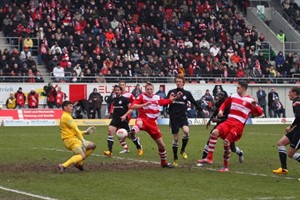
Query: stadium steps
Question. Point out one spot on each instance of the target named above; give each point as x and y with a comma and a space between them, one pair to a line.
3, 43
43, 70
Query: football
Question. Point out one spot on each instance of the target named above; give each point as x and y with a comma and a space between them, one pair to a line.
122, 133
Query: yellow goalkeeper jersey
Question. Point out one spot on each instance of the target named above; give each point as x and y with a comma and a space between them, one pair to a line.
69, 128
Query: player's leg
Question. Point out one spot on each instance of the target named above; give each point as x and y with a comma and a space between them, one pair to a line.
185, 140
282, 155
211, 146
152, 128
135, 140
110, 140
90, 148
77, 148
175, 132
238, 151
294, 146
226, 156
162, 153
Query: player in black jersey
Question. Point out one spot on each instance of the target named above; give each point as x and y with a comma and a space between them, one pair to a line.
292, 136
178, 118
120, 107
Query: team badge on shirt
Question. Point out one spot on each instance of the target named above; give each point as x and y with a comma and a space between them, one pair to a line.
120, 102
184, 97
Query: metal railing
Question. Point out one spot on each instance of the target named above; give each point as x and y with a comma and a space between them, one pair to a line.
197, 79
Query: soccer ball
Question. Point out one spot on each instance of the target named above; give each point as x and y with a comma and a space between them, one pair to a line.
122, 133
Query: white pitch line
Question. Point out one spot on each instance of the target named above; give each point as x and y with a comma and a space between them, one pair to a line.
194, 167
26, 193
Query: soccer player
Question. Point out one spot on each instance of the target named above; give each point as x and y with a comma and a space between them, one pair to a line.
241, 106
73, 139
120, 106
178, 118
220, 97
130, 98
148, 108
292, 136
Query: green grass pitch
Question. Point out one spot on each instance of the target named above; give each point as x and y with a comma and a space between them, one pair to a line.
29, 155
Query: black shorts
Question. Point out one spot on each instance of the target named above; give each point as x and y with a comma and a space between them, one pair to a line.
294, 137
119, 124
176, 124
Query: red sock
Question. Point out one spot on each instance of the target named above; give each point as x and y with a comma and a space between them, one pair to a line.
211, 146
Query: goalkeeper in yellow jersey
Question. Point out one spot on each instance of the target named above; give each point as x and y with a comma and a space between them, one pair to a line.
73, 139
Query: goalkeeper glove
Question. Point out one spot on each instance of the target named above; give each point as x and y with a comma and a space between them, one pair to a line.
90, 130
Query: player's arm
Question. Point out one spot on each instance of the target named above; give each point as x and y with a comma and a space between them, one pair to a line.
129, 111
256, 109
297, 116
224, 105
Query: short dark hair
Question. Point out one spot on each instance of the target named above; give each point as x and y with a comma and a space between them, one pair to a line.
243, 84
117, 86
296, 90
65, 103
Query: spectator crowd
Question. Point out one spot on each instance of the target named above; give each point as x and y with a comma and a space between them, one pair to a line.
87, 41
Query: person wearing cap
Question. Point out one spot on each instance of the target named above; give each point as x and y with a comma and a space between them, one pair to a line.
96, 100
11, 102
21, 98
33, 99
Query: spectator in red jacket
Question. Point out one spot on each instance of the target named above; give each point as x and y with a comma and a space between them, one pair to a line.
21, 98
33, 99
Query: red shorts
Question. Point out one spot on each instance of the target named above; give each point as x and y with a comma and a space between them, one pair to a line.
150, 126
231, 129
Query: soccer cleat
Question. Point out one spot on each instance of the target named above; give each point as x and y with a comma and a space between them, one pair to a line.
175, 163
224, 169
168, 165
184, 155
140, 151
60, 168
241, 157
205, 161
79, 167
200, 164
107, 153
280, 171
124, 151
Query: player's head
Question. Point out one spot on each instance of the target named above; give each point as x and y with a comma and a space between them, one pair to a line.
294, 92
67, 106
242, 88
118, 90
122, 83
149, 88
180, 80
220, 98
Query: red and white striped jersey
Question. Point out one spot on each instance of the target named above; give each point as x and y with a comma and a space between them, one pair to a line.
241, 107
152, 110
129, 96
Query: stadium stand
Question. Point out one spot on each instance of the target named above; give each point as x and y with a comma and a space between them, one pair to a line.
94, 41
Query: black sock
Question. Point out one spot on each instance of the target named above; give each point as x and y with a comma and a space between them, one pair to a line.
137, 143
110, 142
282, 157
184, 143
175, 150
